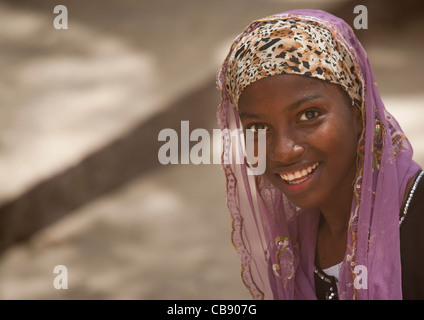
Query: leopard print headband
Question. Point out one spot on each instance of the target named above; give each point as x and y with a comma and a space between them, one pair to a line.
290, 46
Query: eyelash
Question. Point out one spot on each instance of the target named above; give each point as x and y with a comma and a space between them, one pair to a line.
254, 126
303, 114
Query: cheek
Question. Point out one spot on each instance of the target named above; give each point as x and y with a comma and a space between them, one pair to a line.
338, 142
334, 142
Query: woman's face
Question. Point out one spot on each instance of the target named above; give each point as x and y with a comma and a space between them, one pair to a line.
312, 133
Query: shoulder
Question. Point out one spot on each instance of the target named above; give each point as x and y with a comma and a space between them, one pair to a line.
412, 245
415, 207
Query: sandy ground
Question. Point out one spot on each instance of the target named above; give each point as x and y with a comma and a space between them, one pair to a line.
159, 237
166, 233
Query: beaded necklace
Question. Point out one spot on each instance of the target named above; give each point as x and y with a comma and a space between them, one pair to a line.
411, 194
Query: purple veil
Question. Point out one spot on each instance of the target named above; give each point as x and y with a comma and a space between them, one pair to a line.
276, 241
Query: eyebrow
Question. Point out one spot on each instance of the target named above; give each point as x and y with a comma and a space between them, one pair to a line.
290, 107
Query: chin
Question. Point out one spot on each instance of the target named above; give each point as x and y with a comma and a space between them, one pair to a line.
302, 202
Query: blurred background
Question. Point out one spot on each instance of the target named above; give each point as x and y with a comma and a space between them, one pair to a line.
80, 113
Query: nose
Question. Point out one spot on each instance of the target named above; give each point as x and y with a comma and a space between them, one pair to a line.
285, 148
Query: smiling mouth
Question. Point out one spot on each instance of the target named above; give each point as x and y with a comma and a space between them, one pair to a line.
299, 176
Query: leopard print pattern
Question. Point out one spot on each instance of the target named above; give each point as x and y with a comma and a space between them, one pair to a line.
290, 46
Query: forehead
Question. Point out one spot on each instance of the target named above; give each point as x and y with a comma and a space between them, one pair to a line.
287, 87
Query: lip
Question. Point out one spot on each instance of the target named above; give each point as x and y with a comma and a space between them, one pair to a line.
293, 183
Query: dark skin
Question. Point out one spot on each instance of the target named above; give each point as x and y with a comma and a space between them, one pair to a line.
309, 122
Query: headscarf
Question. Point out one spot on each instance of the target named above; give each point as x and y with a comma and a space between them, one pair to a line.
276, 240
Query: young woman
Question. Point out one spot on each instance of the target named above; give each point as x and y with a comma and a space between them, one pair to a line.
339, 210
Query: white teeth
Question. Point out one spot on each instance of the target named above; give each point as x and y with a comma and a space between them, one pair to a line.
299, 174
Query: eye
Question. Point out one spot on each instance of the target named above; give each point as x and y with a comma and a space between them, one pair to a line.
254, 127
309, 115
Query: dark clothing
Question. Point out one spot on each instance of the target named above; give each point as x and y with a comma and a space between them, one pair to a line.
411, 249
